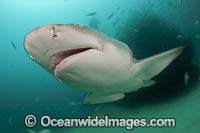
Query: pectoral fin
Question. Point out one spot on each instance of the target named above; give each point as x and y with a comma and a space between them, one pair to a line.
92, 98
150, 67
148, 83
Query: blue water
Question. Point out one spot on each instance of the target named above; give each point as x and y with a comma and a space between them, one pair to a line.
26, 88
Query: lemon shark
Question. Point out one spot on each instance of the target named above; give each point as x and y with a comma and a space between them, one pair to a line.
86, 59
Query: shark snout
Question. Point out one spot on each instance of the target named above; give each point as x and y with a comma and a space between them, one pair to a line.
52, 44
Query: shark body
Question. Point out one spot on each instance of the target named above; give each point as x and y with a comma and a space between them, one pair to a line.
86, 59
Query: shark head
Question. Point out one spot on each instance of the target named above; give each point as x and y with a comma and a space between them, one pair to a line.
49, 45
86, 59
74, 53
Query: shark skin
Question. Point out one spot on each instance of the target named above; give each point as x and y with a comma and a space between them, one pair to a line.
86, 59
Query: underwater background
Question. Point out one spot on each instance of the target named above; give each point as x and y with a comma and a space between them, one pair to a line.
147, 26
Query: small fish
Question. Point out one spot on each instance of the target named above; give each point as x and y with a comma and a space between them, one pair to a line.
91, 14
10, 120
186, 78
179, 36
136, 30
13, 44
122, 12
116, 21
197, 36
197, 22
97, 109
109, 17
194, 61
37, 99
75, 110
180, 2
170, 4
118, 8
22, 109
73, 103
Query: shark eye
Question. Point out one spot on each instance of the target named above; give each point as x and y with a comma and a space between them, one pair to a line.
54, 32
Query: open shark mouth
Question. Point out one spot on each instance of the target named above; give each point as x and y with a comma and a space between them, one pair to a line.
60, 56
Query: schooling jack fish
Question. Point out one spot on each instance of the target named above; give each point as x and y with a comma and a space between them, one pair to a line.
86, 59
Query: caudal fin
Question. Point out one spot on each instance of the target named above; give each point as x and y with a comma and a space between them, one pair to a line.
151, 66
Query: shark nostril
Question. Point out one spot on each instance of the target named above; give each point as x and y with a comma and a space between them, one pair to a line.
54, 32
54, 35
